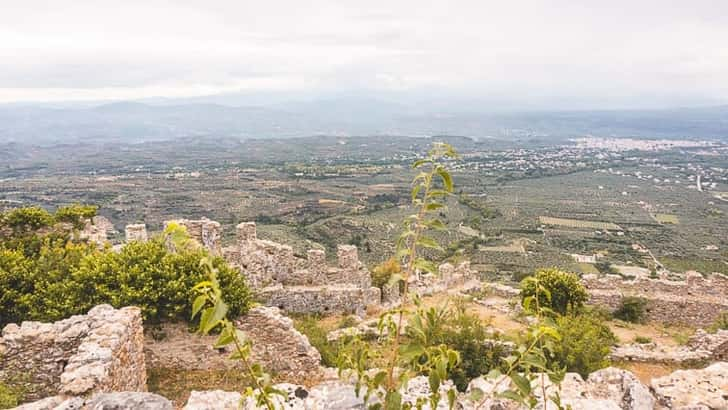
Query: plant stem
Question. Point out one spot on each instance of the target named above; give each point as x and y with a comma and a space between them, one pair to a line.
405, 278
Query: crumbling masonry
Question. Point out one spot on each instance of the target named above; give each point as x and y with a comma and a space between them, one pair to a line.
696, 301
301, 285
101, 351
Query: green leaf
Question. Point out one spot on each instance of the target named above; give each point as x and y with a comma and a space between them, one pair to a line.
218, 312
446, 178
425, 265
433, 206
198, 304
421, 162
415, 191
435, 224
451, 398
511, 395
428, 242
393, 401
224, 339
523, 384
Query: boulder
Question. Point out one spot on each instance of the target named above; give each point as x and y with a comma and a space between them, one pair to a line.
694, 388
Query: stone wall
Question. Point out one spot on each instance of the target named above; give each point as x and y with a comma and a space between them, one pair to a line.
206, 232
320, 299
701, 348
449, 277
302, 285
696, 301
136, 232
98, 352
278, 346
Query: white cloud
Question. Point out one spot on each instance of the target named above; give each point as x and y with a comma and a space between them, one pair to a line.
660, 51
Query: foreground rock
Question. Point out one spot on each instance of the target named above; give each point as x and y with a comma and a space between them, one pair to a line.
102, 401
606, 389
695, 389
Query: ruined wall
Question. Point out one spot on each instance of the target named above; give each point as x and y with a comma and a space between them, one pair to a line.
449, 276
97, 352
136, 232
204, 231
320, 299
302, 285
696, 301
702, 347
278, 346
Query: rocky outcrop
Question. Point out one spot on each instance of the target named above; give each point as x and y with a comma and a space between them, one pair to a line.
101, 351
103, 401
694, 389
606, 389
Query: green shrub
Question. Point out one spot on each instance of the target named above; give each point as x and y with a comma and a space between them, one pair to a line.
61, 278
465, 333
585, 344
26, 219
383, 272
479, 351
8, 397
76, 214
721, 323
642, 340
565, 289
309, 326
631, 309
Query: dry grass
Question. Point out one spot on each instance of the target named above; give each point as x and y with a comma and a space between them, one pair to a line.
645, 372
176, 384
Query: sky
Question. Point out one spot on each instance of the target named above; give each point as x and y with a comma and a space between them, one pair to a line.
587, 53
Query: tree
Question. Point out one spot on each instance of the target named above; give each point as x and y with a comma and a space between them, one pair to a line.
562, 290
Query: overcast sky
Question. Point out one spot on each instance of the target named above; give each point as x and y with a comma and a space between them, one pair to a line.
594, 52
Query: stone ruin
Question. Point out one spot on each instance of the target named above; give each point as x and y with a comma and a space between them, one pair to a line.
696, 301
701, 348
278, 346
136, 233
204, 231
449, 277
302, 285
96, 361
97, 230
101, 351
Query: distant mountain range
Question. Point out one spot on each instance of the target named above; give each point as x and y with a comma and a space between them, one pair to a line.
136, 121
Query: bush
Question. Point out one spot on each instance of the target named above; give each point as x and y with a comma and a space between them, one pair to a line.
8, 398
721, 323
383, 272
631, 309
26, 219
585, 344
310, 327
55, 278
465, 333
642, 340
76, 214
479, 351
565, 289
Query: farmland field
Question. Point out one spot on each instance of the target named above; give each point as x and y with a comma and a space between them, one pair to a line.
575, 223
667, 219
